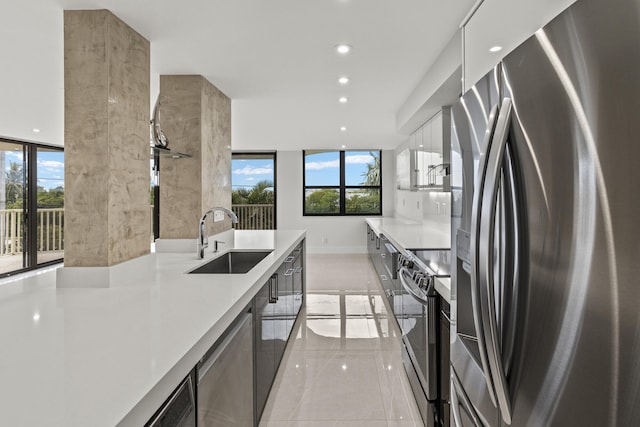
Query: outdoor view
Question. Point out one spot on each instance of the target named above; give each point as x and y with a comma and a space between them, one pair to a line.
253, 195
323, 188
49, 218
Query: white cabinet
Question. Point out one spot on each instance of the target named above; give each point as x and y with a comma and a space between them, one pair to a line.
423, 162
505, 23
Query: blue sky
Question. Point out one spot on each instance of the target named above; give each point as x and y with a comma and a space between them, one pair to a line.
324, 168
245, 173
321, 168
50, 167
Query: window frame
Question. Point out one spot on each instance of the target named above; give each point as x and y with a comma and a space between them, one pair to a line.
30, 206
342, 187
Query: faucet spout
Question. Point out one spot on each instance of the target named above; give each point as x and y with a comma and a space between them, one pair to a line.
203, 239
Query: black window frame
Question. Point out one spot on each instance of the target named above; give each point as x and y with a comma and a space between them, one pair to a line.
266, 154
30, 206
342, 188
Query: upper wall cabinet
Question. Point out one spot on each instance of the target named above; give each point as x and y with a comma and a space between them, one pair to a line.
505, 24
423, 162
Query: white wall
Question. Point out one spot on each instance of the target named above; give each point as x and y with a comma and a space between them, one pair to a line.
505, 23
342, 234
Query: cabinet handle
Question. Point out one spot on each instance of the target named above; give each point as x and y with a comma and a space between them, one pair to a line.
273, 289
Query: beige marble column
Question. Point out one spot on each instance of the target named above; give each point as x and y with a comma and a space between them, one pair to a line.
196, 118
106, 79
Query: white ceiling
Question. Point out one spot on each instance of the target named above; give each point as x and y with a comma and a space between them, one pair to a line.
275, 59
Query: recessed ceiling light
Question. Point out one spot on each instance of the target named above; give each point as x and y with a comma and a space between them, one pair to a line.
343, 128
420, 145
343, 146
36, 130
495, 49
342, 100
343, 80
343, 49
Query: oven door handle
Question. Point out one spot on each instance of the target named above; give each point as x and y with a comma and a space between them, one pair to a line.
422, 300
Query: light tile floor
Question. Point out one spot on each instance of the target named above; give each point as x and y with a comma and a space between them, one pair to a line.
344, 366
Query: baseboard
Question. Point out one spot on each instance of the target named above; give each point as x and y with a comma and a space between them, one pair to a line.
336, 249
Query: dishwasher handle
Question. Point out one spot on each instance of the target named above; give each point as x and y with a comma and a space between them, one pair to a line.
209, 360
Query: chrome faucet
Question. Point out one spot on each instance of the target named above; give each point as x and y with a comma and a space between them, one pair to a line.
203, 239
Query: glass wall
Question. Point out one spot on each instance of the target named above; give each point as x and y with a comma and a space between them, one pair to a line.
32, 180
50, 204
13, 206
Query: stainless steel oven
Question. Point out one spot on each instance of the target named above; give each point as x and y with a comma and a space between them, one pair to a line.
419, 321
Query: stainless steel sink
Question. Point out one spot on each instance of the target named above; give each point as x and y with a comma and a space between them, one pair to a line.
233, 262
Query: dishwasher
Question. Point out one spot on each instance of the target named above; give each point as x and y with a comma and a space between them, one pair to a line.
225, 377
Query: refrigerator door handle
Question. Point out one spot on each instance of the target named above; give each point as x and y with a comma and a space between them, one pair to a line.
459, 397
486, 257
474, 252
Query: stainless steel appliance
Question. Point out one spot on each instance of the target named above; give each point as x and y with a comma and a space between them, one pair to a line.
545, 323
179, 410
418, 316
225, 378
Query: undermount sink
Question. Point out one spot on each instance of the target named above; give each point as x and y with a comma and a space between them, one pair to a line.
233, 262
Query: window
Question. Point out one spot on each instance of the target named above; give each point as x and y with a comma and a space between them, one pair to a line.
342, 182
253, 196
32, 181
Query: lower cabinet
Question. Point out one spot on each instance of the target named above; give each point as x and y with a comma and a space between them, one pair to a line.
276, 307
231, 383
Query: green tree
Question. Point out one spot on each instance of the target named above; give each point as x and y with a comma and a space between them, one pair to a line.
372, 175
14, 180
260, 194
324, 200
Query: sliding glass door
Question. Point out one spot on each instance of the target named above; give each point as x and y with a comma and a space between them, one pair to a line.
49, 205
13, 206
31, 205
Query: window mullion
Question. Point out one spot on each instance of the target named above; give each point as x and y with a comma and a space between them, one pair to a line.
343, 197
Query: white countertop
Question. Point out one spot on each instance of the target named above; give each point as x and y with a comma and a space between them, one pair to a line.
111, 356
406, 234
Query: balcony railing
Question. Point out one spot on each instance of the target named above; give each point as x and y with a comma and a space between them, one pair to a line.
255, 217
50, 233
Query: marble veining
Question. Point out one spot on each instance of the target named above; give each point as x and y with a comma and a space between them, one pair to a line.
196, 118
107, 218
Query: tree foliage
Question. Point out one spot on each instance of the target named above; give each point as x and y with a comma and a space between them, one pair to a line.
259, 194
372, 175
324, 200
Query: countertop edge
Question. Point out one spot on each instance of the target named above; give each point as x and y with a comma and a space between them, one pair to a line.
442, 285
141, 412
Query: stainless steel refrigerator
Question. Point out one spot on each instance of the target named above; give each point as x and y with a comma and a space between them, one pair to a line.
545, 205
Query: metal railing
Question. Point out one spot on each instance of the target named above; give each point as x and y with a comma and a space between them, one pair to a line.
50, 232
255, 217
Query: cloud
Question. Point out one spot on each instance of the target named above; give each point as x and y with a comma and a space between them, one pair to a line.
50, 163
316, 166
359, 159
250, 170
250, 179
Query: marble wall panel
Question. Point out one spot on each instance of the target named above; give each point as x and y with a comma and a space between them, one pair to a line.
196, 117
107, 219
